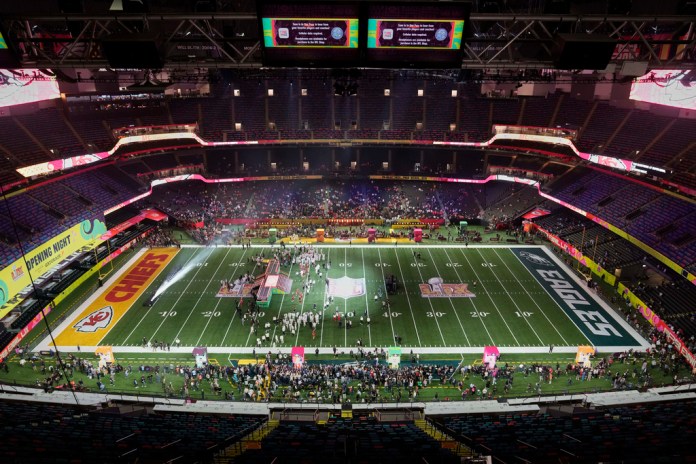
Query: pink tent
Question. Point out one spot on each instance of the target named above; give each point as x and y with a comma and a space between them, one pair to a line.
490, 356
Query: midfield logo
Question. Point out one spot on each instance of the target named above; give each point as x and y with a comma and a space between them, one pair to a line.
346, 287
536, 259
95, 320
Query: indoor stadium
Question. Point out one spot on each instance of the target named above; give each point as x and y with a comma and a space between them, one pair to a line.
347, 232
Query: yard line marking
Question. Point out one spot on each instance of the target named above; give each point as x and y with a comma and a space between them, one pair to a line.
431, 303
568, 274
280, 307
513, 301
200, 296
415, 326
530, 296
367, 302
304, 300
229, 326
153, 305
345, 300
472, 301
219, 299
323, 311
489, 297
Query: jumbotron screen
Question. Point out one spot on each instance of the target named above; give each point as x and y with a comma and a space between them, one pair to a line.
409, 33
310, 33
26, 86
665, 87
416, 33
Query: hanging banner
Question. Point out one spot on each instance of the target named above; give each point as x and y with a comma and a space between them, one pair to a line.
41, 259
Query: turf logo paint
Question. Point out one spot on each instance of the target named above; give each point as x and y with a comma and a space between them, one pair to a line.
99, 319
112, 303
436, 288
585, 312
133, 282
593, 320
346, 287
536, 259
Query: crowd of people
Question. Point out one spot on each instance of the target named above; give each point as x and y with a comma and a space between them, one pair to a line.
365, 378
389, 201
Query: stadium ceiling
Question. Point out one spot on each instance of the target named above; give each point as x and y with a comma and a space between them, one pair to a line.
502, 34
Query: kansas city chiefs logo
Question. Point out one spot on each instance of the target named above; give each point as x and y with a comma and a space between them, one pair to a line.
95, 320
536, 259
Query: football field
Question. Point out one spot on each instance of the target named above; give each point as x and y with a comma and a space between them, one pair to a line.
444, 299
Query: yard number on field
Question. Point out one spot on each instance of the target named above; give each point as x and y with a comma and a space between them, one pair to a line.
479, 314
391, 314
523, 313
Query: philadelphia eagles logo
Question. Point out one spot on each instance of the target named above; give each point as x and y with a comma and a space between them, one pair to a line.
536, 259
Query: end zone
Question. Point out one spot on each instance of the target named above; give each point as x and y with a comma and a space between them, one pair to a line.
605, 330
100, 313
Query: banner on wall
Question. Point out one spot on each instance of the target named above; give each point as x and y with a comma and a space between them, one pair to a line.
15, 277
658, 323
24, 332
152, 214
569, 249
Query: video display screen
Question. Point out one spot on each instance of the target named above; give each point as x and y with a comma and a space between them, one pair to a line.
287, 32
666, 87
405, 33
416, 33
309, 33
26, 86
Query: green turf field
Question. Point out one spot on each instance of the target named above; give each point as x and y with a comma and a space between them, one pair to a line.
523, 298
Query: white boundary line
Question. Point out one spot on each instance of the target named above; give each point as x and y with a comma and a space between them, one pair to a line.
430, 302
449, 299
536, 303
375, 245
505, 290
611, 312
386, 295
488, 294
453, 350
46, 344
473, 303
